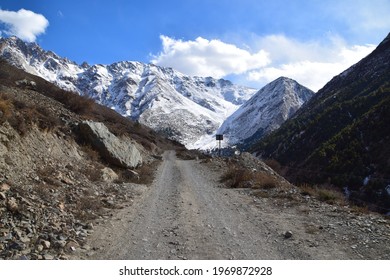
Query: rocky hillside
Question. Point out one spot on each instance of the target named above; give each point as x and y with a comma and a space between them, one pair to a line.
184, 108
340, 137
64, 161
265, 111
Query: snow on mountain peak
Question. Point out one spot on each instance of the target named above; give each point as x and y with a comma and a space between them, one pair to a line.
184, 108
265, 111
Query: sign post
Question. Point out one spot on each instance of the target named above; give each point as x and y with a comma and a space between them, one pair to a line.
219, 138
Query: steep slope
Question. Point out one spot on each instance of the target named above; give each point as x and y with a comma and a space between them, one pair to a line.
183, 107
54, 182
265, 111
342, 134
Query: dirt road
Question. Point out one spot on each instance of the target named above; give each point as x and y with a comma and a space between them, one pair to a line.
185, 215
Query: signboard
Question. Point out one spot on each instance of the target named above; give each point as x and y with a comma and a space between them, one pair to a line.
219, 137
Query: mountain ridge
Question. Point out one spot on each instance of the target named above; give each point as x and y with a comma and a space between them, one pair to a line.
183, 108
135, 89
266, 110
339, 136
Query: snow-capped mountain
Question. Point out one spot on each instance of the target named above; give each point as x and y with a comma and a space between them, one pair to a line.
184, 108
265, 111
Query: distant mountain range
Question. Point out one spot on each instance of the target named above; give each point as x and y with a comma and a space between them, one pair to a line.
184, 108
341, 137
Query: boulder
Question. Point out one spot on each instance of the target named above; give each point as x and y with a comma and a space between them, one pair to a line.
114, 150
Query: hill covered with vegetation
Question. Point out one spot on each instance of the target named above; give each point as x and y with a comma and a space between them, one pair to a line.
341, 137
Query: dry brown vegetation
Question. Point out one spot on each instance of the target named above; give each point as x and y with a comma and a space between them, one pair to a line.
236, 177
6, 108
142, 175
324, 193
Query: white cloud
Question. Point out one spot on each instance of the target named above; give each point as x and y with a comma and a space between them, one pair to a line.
25, 24
204, 57
311, 63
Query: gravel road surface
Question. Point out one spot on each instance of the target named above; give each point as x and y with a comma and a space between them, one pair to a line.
186, 214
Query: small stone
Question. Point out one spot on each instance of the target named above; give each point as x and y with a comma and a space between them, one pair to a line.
4, 187
60, 243
90, 226
46, 244
48, 257
40, 248
16, 246
12, 205
2, 196
61, 206
25, 239
72, 246
8, 237
288, 234
108, 175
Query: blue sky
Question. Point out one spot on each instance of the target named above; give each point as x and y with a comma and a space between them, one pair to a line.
250, 42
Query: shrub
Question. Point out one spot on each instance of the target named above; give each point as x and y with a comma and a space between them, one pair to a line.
234, 178
307, 189
6, 108
329, 196
77, 103
264, 181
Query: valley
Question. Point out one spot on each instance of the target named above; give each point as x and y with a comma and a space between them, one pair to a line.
95, 162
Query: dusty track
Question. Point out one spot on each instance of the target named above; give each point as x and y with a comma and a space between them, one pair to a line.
185, 215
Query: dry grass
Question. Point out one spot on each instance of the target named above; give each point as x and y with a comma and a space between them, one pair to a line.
244, 178
6, 109
142, 175
324, 193
330, 196
21, 116
361, 210
261, 194
264, 181
307, 190
87, 208
236, 178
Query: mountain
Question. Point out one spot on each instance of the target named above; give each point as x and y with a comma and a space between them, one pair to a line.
265, 111
341, 136
184, 108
